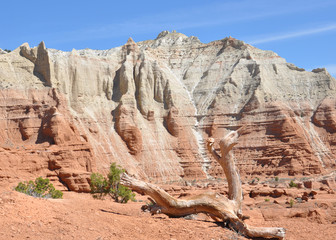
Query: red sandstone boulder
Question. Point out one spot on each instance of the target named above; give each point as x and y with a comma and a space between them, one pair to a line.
78, 181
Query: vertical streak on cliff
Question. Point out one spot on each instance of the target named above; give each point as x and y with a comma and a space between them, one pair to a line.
5, 117
206, 162
320, 149
197, 130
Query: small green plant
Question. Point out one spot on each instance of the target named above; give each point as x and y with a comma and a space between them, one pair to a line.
41, 188
267, 200
255, 180
276, 179
292, 184
101, 186
291, 203
98, 185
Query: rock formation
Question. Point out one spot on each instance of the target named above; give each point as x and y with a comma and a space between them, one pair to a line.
39, 138
149, 106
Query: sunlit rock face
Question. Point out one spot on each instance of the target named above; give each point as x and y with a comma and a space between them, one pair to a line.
149, 106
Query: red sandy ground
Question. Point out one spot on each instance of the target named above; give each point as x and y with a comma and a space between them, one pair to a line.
79, 216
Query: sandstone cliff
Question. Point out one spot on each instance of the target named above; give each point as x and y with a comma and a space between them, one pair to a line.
149, 106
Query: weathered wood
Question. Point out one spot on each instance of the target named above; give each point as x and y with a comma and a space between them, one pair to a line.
227, 163
216, 205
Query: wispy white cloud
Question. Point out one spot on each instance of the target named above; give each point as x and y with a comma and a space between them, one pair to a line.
209, 14
296, 34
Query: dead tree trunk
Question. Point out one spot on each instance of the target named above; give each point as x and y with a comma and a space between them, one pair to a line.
216, 205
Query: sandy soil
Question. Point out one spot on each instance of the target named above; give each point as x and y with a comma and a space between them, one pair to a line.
79, 216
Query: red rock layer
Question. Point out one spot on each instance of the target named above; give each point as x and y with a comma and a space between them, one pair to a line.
38, 138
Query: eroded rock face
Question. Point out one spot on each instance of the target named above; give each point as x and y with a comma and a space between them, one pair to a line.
38, 138
127, 129
149, 106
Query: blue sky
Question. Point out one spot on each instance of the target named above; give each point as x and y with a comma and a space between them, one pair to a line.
301, 31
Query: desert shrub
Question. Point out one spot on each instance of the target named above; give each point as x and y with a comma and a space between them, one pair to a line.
255, 180
41, 188
267, 200
98, 185
291, 203
101, 186
276, 179
293, 184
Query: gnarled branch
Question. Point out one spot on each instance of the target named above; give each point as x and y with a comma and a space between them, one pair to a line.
216, 205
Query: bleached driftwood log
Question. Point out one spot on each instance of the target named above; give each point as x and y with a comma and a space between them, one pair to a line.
227, 209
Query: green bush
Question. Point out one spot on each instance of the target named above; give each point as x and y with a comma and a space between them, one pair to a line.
291, 203
101, 186
98, 185
293, 184
41, 188
267, 200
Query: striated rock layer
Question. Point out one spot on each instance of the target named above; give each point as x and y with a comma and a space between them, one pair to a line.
149, 106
